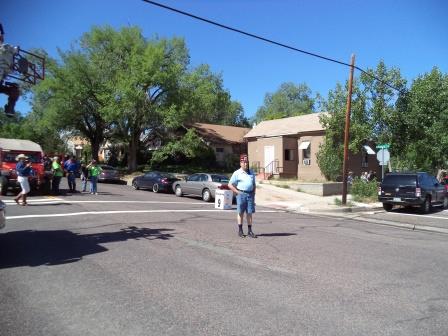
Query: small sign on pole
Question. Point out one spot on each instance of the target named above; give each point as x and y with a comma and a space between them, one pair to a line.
383, 157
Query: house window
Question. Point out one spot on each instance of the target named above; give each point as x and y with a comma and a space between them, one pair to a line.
289, 155
365, 159
219, 150
305, 147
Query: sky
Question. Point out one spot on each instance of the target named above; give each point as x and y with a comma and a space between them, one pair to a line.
410, 35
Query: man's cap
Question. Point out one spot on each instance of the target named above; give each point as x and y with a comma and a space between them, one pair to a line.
21, 156
55, 158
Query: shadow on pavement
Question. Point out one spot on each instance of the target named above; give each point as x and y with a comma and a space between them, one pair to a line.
276, 234
35, 248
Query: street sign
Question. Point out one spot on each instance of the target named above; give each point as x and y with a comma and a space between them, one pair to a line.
383, 156
383, 146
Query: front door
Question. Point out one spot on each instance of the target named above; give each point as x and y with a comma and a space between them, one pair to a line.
268, 159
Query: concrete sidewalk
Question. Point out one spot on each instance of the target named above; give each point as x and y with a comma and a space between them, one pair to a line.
281, 198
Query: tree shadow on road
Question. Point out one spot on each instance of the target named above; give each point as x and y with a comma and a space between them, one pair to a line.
35, 248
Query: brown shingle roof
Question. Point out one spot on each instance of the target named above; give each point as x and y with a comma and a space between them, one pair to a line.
287, 126
221, 133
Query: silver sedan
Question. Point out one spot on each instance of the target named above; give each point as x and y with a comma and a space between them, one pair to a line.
201, 184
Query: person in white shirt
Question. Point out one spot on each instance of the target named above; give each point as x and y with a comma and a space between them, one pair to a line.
242, 183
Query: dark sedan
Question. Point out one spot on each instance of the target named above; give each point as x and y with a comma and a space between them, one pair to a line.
157, 181
109, 174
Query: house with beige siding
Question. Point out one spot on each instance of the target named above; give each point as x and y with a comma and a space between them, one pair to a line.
288, 147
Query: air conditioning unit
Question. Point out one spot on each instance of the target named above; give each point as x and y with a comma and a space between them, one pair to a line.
306, 162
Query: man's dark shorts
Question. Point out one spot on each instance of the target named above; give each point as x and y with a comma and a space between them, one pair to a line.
245, 202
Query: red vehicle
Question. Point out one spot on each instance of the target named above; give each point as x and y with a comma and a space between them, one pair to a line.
9, 149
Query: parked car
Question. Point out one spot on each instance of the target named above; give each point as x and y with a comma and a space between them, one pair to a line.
412, 189
201, 184
109, 174
157, 181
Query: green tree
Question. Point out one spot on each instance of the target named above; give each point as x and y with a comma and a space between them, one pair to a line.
373, 117
288, 101
189, 149
118, 85
423, 112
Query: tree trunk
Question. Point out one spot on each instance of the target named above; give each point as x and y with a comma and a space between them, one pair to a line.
132, 155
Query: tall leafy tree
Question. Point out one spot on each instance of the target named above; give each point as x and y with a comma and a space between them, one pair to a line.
121, 86
423, 112
373, 116
288, 101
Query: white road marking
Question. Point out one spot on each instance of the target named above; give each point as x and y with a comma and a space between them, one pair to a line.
415, 215
59, 201
123, 212
11, 201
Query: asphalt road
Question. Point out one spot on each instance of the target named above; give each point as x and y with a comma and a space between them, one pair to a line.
129, 262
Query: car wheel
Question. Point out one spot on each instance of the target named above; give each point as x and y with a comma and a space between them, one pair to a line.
445, 202
387, 206
426, 206
135, 185
178, 191
3, 189
155, 187
206, 195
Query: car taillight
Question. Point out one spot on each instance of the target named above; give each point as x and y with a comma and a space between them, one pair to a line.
223, 187
418, 192
379, 191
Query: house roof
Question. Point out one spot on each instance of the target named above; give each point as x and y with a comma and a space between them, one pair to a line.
221, 133
19, 145
287, 126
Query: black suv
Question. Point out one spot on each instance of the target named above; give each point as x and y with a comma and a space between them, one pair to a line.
412, 189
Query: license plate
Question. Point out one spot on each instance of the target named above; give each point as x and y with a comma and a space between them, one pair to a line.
397, 199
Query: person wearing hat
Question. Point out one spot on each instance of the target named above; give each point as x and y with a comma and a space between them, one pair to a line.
23, 169
242, 183
58, 172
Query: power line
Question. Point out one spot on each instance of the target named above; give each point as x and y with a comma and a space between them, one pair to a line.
268, 40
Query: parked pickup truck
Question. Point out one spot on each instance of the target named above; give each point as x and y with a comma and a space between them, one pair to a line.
412, 189
9, 149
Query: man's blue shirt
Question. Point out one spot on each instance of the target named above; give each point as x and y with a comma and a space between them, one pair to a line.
243, 180
71, 166
22, 169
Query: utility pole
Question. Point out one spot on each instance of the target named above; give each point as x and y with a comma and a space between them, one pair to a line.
347, 131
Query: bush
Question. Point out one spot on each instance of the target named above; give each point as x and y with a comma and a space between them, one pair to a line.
190, 150
364, 191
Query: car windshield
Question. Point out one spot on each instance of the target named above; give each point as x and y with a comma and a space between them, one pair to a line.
11, 157
167, 175
107, 168
220, 178
407, 180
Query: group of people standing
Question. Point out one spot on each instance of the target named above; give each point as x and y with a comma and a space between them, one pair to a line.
365, 177
71, 168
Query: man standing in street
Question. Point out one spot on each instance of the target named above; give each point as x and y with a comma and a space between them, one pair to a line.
23, 169
242, 183
72, 168
57, 175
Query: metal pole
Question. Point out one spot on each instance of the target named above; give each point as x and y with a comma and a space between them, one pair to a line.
347, 131
382, 166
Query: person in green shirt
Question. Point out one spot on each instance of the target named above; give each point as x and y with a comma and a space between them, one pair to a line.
94, 172
57, 175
